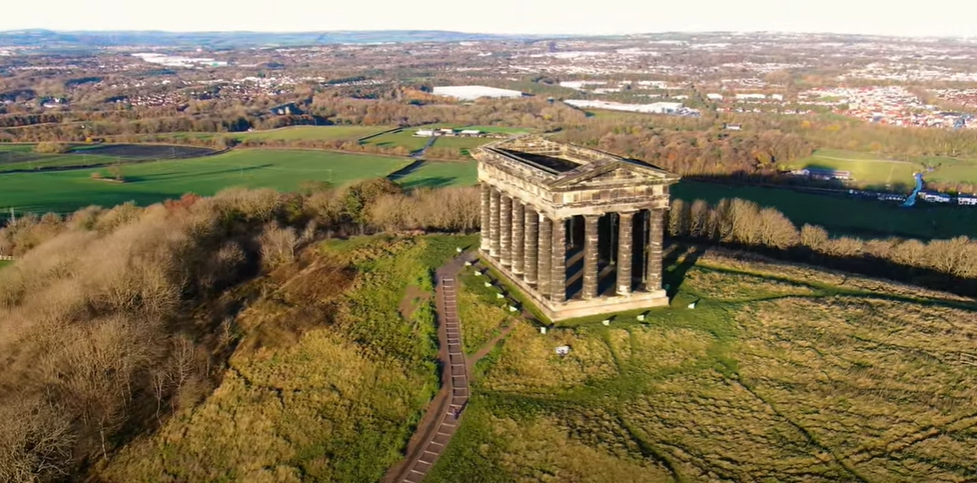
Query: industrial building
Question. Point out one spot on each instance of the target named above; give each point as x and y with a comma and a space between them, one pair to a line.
470, 93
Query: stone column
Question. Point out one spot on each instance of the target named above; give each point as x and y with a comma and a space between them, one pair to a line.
653, 280
558, 281
486, 216
495, 205
545, 254
518, 238
591, 243
624, 252
505, 226
531, 245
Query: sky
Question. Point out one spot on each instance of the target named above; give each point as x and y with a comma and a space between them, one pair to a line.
586, 17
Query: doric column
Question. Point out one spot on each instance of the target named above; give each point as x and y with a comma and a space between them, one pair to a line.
505, 226
531, 245
494, 206
653, 281
558, 282
486, 216
545, 254
624, 252
590, 246
518, 238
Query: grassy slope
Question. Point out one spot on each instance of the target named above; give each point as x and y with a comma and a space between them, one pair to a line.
156, 181
778, 374
841, 215
334, 401
438, 174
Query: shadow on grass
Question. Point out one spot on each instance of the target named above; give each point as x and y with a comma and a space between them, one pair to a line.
679, 260
405, 171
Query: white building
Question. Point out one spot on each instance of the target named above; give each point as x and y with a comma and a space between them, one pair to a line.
714, 97
470, 93
777, 97
967, 200
653, 108
750, 97
424, 133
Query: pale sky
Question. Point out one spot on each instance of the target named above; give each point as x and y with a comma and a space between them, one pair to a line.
886, 17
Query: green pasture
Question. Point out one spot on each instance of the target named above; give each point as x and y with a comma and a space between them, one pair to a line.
4, 263
152, 182
17, 160
439, 174
951, 170
313, 133
867, 171
874, 172
842, 214
401, 137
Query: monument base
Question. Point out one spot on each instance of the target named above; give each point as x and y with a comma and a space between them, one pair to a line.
575, 308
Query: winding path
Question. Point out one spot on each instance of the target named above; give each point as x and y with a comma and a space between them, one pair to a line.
442, 419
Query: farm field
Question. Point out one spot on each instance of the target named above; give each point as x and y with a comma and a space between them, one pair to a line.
780, 373
314, 133
19, 157
404, 138
953, 171
844, 215
155, 181
439, 174
867, 172
873, 172
290, 133
464, 144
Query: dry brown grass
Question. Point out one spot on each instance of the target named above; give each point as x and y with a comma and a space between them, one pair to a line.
780, 373
325, 385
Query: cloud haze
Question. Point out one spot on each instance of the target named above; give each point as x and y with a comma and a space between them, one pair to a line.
886, 17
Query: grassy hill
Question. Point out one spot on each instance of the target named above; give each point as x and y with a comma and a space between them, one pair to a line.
327, 382
778, 374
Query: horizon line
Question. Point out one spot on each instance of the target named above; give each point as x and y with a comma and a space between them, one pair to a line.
522, 34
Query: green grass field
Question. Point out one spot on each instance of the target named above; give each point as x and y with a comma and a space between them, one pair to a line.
153, 182
867, 172
779, 374
403, 137
314, 133
871, 171
462, 143
292, 133
4, 263
439, 174
406, 138
844, 215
